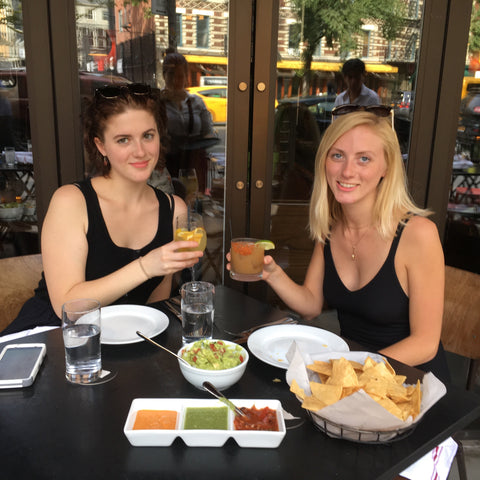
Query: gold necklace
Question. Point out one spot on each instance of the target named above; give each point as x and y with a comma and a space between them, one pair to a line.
354, 246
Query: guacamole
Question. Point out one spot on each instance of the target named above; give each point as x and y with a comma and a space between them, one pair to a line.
213, 355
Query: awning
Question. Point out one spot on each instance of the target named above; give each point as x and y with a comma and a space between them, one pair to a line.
206, 59
335, 66
296, 64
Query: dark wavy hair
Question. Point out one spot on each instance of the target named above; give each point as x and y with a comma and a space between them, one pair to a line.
172, 61
98, 110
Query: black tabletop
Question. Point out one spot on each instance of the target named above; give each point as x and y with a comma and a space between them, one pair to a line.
54, 429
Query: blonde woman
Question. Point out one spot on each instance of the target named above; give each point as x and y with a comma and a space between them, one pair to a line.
377, 259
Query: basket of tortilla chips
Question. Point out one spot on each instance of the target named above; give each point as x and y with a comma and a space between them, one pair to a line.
358, 396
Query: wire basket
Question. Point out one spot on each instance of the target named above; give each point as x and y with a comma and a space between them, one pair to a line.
352, 434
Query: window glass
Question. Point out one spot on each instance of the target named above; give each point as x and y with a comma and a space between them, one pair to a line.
311, 52
202, 31
18, 222
462, 231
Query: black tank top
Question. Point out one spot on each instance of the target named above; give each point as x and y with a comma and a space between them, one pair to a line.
104, 257
376, 315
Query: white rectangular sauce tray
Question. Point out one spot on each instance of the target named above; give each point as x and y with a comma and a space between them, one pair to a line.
203, 437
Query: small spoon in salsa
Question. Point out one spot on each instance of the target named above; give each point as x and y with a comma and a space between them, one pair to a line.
211, 389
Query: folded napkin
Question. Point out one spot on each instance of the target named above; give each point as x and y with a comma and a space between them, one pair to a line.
435, 464
25, 333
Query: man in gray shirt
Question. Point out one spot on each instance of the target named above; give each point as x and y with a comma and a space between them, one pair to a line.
357, 93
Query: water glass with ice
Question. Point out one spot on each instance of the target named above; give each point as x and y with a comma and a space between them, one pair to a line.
10, 156
81, 336
197, 311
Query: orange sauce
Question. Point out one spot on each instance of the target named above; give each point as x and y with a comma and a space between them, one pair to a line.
155, 420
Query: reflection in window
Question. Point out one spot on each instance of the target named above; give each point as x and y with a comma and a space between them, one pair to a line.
294, 36
202, 31
178, 26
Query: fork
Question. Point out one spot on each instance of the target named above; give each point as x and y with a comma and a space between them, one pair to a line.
248, 331
173, 308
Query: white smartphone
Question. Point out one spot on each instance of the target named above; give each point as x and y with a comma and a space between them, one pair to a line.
19, 364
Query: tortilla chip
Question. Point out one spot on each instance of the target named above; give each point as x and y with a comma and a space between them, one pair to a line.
328, 394
391, 406
343, 374
416, 399
295, 388
357, 366
312, 403
347, 391
376, 387
324, 368
397, 393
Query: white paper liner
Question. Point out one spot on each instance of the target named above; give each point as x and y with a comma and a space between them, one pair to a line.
359, 413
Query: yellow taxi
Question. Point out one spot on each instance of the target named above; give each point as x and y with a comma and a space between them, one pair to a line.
215, 98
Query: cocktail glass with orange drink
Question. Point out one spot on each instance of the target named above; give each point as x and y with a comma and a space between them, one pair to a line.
190, 227
247, 258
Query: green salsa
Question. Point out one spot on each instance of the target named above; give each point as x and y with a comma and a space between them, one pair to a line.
213, 355
211, 418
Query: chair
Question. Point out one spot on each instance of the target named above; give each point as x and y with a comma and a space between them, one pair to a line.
19, 276
461, 318
461, 335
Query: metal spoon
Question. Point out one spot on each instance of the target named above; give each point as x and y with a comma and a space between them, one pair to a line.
164, 348
211, 389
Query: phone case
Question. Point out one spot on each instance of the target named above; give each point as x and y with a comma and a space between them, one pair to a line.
20, 363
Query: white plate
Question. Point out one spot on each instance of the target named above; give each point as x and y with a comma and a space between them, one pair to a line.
202, 438
121, 322
271, 344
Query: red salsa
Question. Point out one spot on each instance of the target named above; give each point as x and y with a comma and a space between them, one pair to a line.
257, 419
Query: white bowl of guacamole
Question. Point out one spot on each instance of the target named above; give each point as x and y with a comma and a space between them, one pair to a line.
217, 361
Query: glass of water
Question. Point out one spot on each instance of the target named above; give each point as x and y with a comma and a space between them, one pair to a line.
197, 311
81, 336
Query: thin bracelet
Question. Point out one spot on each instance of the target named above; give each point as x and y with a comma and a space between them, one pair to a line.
143, 269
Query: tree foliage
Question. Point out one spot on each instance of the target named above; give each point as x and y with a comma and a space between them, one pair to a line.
339, 21
13, 16
474, 37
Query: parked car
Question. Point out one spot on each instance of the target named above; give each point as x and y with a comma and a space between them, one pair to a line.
403, 104
14, 106
320, 106
299, 126
215, 98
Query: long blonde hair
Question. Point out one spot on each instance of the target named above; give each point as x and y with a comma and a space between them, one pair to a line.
393, 203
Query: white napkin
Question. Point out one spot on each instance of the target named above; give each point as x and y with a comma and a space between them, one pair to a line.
435, 464
25, 333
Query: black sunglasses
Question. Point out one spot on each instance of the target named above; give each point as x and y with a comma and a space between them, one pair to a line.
379, 110
114, 91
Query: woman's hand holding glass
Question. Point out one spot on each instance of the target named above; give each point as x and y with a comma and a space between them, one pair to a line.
171, 258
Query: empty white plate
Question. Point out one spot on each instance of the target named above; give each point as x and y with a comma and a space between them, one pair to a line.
271, 344
121, 322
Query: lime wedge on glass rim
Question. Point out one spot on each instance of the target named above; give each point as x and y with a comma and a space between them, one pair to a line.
265, 244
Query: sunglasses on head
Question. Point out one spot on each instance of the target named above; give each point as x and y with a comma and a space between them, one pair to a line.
379, 110
114, 91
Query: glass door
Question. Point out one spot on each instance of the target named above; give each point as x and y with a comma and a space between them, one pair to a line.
18, 220
462, 231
